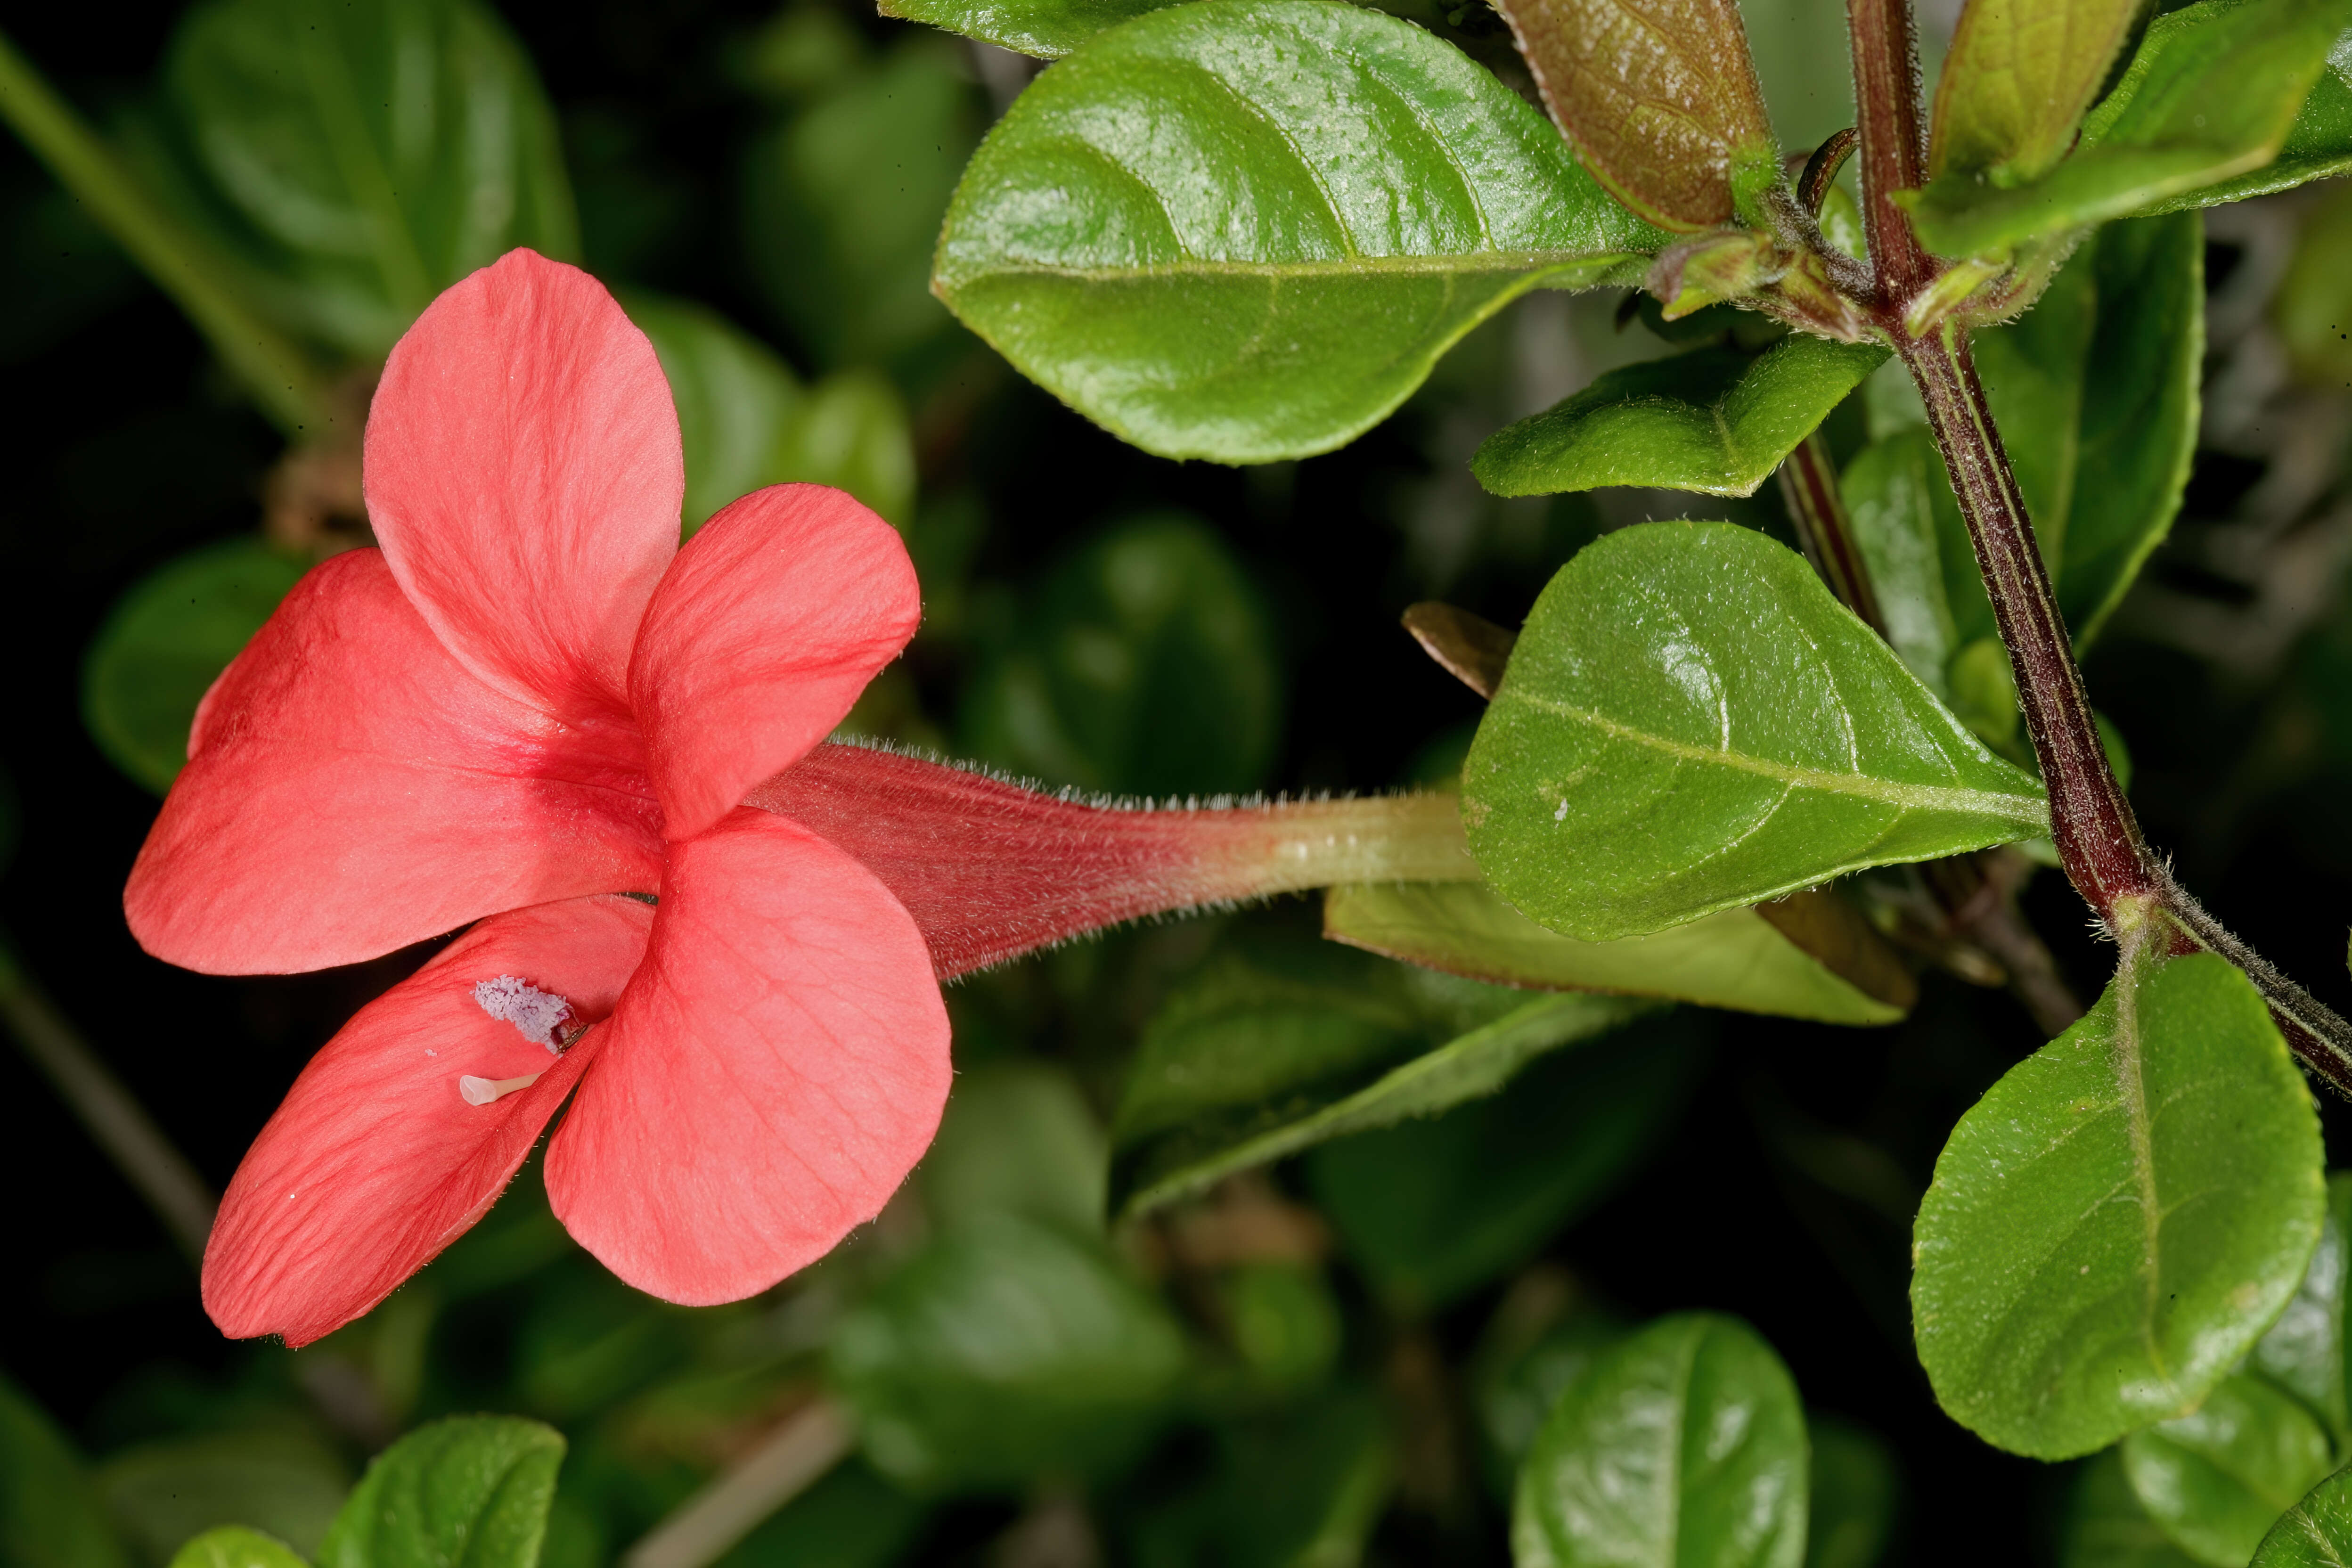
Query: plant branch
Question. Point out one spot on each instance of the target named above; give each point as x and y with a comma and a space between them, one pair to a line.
1809, 484
785, 1463
279, 373
1894, 147
115, 1120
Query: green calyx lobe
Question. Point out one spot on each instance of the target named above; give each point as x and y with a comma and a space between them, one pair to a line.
1252, 286
1690, 722
2120, 1218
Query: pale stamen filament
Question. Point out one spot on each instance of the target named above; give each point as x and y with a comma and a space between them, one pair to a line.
483, 1090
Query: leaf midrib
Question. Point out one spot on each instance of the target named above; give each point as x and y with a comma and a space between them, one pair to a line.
2025, 810
1453, 266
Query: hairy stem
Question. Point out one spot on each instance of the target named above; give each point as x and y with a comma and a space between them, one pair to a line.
279, 374
1893, 143
1809, 484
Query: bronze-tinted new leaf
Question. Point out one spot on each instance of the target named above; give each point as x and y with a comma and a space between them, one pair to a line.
1659, 96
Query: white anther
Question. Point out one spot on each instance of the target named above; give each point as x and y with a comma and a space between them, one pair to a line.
482, 1090
539, 1015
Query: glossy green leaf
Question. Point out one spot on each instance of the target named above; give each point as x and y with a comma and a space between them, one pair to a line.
1045, 28
1737, 959
1713, 420
1433, 1208
361, 158
2219, 1478
50, 1515
842, 201
164, 644
2303, 1350
1144, 665
2317, 1532
470, 1491
2104, 1526
2016, 82
1850, 1518
234, 1546
2094, 391
1690, 722
2207, 103
1017, 1138
2120, 1218
747, 422
162, 1493
1005, 1349
1244, 287
1518, 1378
1661, 99
1265, 1055
1687, 1445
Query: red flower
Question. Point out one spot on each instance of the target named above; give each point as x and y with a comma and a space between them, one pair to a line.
529, 703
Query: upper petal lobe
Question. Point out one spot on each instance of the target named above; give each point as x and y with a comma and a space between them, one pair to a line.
769, 624
775, 1070
524, 475
352, 790
376, 1162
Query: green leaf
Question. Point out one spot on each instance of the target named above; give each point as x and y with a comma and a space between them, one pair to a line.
2094, 391
1045, 28
1002, 1350
2106, 1528
1261, 1057
1249, 287
1738, 959
2217, 1478
161, 1494
1715, 421
1687, 1445
1282, 1324
471, 1491
361, 158
164, 644
2207, 104
1144, 664
1301, 1489
1690, 722
1850, 1516
234, 1546
1662, 100
49, 1512
2315, 1532
1017, 1138
747, 422
1518, 1378
841, 203
2015, 85
2303, 1350
2120, 1218
1431, 1209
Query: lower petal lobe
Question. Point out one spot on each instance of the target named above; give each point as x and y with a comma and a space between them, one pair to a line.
352, 790
376, 1162
771, 1074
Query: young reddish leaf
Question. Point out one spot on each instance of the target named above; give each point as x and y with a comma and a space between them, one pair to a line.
1659, 96
2018, 80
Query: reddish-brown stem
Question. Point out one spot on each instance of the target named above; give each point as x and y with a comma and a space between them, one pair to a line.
1894, 149
1809, 483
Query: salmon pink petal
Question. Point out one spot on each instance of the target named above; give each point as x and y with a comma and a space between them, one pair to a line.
377, 1161
773, 620
524, 475
772, 1072
352, 790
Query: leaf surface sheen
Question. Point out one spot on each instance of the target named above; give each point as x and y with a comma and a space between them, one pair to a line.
1690, 722
1206, 281
1685, 1445
1047, 29
471, 1491
2120, 1218
1713, 420
2218, 1478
